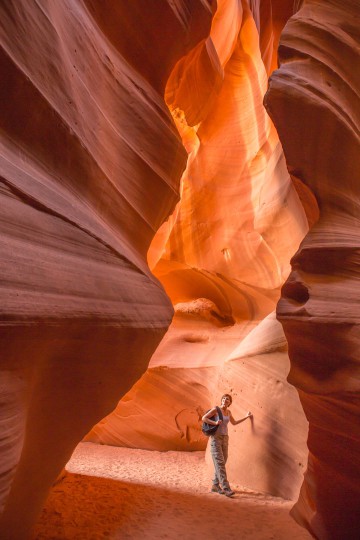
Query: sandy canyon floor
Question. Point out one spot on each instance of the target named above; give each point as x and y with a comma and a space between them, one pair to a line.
127, 494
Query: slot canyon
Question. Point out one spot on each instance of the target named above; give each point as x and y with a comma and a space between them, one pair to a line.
179, 213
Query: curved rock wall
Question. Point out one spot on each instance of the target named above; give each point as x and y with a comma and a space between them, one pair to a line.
83, 190
314, 102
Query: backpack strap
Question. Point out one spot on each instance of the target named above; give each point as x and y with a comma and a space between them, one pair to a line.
220, 414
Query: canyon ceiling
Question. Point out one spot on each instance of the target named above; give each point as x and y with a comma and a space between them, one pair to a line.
169, 169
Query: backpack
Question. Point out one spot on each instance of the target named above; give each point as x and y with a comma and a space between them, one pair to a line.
209, 429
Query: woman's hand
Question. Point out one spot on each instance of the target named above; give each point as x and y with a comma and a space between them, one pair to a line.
249, 414
219, 422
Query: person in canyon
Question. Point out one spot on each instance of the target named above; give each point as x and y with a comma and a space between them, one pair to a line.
219, 442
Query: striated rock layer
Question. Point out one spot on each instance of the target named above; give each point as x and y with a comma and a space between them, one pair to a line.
222, 258
314, 102
83, 189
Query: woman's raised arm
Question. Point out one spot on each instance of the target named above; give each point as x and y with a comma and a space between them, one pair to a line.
235, 422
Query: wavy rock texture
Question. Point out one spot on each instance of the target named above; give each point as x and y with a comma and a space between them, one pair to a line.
222, 258
84, 187
314, 102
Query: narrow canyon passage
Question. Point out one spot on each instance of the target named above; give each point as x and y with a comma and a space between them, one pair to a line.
179, 218
131, 494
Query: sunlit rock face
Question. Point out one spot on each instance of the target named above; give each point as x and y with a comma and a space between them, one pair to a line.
314, 102
90, 168
222, 258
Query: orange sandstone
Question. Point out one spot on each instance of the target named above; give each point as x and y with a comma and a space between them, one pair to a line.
222, 258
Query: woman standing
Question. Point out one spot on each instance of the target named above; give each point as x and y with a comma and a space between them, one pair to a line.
219, 443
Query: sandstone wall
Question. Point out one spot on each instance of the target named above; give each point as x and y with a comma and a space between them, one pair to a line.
314, 102
83, 190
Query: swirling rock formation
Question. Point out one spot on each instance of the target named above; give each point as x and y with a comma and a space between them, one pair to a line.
84, 187
314, 102
90, 171
222, 258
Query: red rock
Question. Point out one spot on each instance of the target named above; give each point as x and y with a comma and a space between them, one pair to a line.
84, 188
314, 101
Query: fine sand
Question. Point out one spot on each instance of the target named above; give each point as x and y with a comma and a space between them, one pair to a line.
128, 494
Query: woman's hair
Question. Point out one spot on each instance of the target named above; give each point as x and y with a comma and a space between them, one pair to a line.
227, 395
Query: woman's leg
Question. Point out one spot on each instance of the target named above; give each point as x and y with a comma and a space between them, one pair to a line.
214, 451
219, 461
225, 447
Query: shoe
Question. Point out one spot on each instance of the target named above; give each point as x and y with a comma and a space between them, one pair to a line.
217, 489
228, 492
